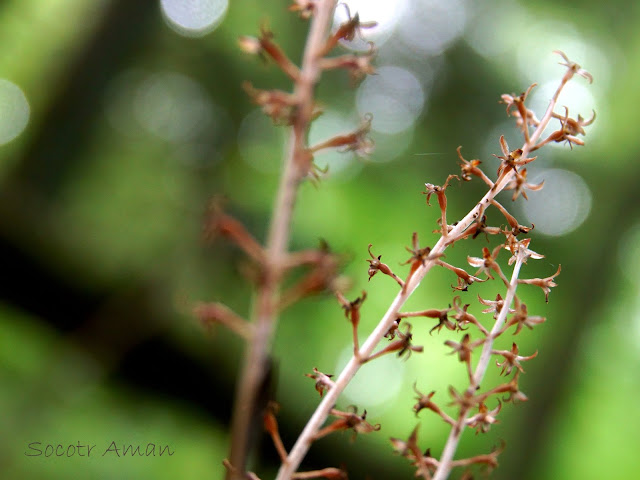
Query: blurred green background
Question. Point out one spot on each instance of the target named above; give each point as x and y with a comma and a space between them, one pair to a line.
122, 119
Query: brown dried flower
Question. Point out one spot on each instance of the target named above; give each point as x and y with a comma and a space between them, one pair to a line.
573, 67
511, 159
511, 359
323, 380
545, 283
495, 306
483, 420
521, 318
487, 263
470, 167
348, 421
402, 345
375, 265
519, 185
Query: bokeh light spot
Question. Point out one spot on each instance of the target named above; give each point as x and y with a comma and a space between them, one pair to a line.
482, 34
391, 146
14, 111
535, 59
173, 107
561, 206
374, 385
194, 18
395, 98
430, 26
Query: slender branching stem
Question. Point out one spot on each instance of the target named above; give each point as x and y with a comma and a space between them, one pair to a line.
548, 115
450, 447
321, 413
265, 308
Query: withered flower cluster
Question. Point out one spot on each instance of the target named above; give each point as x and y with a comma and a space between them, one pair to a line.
475, 406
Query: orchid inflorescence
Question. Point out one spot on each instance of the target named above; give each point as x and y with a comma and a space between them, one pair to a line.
476, 406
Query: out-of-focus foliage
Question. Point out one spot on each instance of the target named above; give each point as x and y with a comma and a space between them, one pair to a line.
132, 123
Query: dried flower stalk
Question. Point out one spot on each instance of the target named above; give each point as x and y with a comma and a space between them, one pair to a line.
511, 175
454, 437
273, 261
